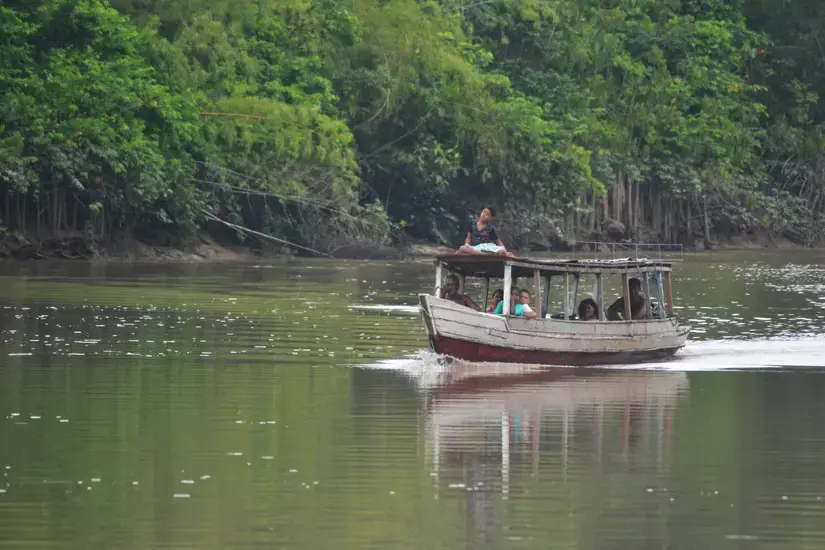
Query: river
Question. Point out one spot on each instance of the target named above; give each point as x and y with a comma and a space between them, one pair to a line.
292, 404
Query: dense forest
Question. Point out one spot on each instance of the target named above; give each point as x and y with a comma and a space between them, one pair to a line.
332, 122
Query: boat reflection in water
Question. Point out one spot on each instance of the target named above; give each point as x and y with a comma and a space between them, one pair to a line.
549, 441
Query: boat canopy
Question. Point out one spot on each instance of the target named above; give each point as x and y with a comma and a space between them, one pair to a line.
493, 266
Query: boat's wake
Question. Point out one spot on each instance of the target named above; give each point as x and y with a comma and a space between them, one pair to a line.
710, 355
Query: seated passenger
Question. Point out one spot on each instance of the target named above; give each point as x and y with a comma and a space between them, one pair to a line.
639, 309
450, 292
524, 300
515, 307
519, 305
498, 296
482, 237
588, 310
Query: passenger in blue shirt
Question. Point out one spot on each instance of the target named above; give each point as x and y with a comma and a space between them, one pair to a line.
519, 305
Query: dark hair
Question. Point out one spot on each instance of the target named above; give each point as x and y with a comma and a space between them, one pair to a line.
492, 210
524, 290
634, 282
583, 306
500, 292
452, 276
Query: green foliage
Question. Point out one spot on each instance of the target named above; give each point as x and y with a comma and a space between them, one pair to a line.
329, 120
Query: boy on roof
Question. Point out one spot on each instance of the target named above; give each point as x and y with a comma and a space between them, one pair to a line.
482, 237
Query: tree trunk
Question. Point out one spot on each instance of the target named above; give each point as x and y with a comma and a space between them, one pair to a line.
74, 212
618, 201
595, 214
606, 207
37, 212
55, 213
64, 212
656, 200
708, 243
631, 229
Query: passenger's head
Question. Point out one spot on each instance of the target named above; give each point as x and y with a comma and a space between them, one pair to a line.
450, 285
487, 214
498, 296
635, 286
588, 309
513, 299
524, 296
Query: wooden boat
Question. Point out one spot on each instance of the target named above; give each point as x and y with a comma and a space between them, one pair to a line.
461, 332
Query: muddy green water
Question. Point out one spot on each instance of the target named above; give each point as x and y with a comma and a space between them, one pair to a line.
293, 405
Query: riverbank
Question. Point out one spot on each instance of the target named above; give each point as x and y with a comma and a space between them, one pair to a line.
205, 247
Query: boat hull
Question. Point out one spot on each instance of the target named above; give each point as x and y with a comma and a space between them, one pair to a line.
460, 332
471, 351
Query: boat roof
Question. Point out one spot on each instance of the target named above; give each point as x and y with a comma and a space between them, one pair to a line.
493, 266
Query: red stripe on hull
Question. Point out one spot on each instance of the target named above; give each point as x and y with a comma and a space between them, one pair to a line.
469, 351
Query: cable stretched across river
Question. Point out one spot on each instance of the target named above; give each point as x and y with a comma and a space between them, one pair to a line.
264, 235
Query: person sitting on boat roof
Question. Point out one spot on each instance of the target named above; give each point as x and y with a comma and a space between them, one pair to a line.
638, 304
482, 237
450, 292
519, 305
588, 310
498, 296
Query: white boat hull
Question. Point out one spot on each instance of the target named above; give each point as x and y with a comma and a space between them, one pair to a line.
466, 334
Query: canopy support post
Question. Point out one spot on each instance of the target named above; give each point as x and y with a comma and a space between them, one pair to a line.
537, 295
546, 298
508, 283
600, 296
668, 294
437, 292
566, 296
661, 295
576, 281
646, 279
626, 293
486, 292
